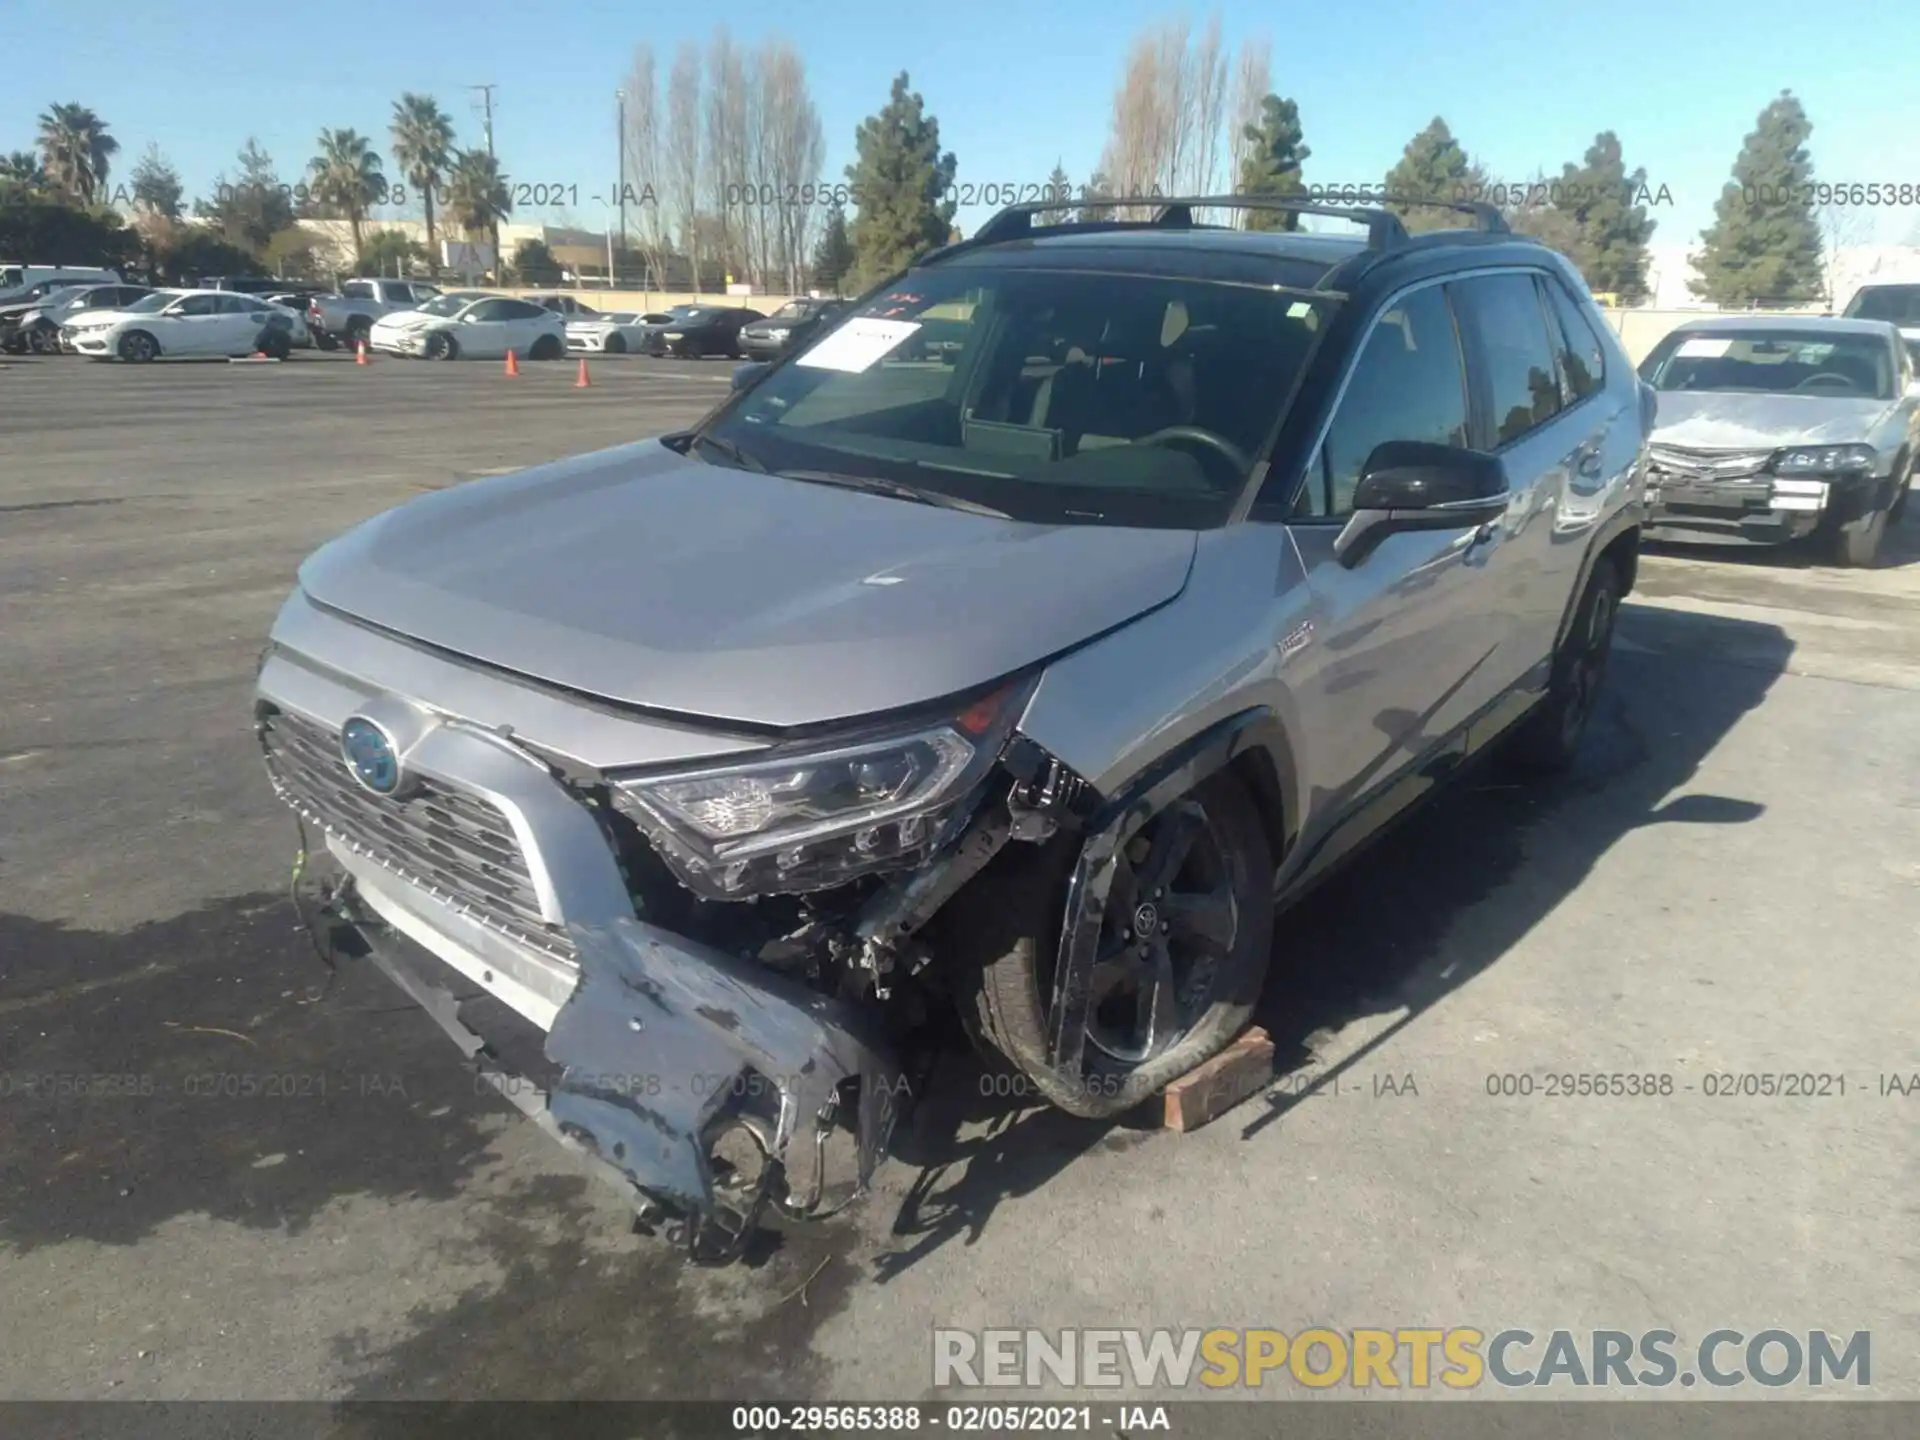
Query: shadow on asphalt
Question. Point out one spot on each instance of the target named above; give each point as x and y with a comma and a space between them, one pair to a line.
1678, 684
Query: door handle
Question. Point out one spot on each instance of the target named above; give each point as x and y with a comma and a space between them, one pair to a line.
1586, 462
1480, 544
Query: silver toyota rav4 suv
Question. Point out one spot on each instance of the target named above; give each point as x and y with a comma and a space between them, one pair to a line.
1026, 676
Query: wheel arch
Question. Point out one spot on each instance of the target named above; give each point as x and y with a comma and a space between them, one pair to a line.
1618, 544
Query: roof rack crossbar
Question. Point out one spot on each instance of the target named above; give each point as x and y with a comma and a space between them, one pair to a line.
1384, 229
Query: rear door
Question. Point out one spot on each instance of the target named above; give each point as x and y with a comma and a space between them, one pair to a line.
245, 318
527, 322
1390, 664
1546, 411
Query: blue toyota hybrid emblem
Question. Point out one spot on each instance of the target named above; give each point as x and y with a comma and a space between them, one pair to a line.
370, 755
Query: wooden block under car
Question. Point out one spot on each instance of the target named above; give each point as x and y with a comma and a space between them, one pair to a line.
1212, 1089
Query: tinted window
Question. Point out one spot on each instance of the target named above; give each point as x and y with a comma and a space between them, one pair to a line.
358, 290
398, 292
239, 305
1582, 359
1898, 303
1408, 384
518, 310
491, 310
1522, 390
199, 305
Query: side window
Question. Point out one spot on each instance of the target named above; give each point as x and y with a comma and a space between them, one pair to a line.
491, 310
357, 290
1505, 314
397, 292
1583, 361
238, 305
198, 305
1408, 384
521, 310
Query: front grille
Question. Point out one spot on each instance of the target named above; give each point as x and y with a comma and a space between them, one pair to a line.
453, 845
1673, 462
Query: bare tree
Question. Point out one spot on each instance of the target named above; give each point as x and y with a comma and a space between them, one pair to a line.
793, 151
1252, 82
683, 153
1168, 111
728, 141
642, 147
1842, 228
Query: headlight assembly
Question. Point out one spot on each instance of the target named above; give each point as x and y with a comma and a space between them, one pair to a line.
1824, 459
811, 818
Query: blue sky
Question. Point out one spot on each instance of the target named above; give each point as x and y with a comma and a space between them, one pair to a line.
1015, 83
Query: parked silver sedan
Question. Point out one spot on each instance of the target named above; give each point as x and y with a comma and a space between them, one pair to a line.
1773, 429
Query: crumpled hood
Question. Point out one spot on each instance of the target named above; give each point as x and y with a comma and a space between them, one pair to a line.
657, 579
405, 320
1707, 420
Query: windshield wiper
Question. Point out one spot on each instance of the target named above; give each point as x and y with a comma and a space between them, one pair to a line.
873, 485
727, 448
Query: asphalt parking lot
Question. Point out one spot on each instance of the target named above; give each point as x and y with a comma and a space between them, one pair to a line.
1730, 883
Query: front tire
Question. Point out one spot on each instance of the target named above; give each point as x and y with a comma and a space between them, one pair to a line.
1181, 952
1855, 544
616, 345
138, 347
441, 346
44, 340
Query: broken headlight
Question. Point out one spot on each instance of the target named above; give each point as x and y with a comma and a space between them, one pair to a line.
817, 817
1824, 459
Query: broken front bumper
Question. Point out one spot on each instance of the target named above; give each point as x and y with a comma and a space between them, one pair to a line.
484, 860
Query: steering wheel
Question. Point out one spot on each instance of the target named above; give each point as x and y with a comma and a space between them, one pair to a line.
1846, 380
1219, 444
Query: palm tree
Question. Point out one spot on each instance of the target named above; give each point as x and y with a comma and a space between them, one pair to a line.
423, 144
478, 197
22, 168
346, 173
76, 148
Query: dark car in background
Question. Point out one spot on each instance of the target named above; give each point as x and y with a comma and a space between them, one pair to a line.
1897, 304
772, 337
32, 322
697, 330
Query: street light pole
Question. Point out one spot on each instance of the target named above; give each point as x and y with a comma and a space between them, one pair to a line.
620, 146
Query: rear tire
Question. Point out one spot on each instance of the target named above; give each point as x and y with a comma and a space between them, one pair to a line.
138, 347
358, 328
276, 345
1005, 932
546, 347
1549, 739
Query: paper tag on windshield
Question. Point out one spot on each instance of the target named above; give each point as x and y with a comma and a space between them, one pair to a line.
858, 344
1704, 347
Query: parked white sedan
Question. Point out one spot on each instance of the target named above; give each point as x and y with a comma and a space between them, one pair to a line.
473, 325
185, 324
616, 333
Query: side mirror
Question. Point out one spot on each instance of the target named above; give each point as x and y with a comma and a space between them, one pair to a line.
1420, 485
749, 373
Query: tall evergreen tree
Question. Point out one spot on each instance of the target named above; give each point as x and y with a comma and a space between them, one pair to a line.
1098, 185
1059, 188
1434, 166
1764, 243
902, 183
1275, 153
156, 185
833, 254
250, 210
1602, 207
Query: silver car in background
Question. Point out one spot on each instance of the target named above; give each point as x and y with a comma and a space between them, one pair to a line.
1777, 428
1024, 680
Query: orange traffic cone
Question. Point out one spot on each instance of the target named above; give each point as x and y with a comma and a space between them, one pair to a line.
581, 381
513, 363
360, 353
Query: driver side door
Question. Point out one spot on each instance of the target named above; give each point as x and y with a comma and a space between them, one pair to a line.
1392, 661
193, 326
482, 332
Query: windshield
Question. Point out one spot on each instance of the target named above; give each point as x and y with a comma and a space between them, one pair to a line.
1773, 362
451, 304
10, 276
1898, 303
793, 310
147, 304
1050, 395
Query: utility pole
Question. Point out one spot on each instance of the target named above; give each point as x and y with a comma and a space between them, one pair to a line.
499, 267
620, 142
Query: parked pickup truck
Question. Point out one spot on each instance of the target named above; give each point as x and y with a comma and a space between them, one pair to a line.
345, 319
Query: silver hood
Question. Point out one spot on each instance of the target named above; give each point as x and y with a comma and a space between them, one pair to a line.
1710, 420
648, 577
